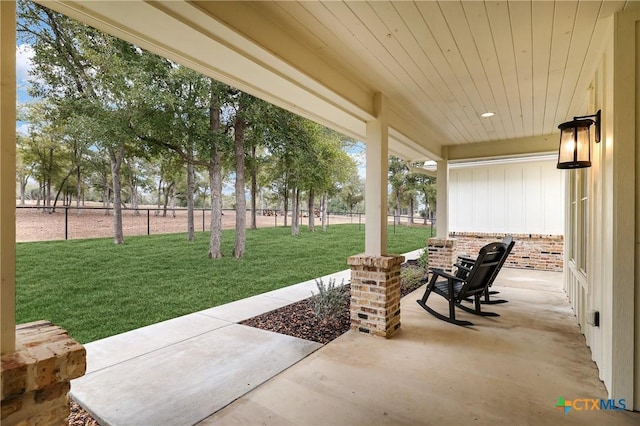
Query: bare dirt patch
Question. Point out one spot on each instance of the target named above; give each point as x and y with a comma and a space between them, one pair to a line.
35, 225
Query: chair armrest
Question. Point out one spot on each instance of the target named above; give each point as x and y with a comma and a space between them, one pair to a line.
445, 274
466, 259
463, 267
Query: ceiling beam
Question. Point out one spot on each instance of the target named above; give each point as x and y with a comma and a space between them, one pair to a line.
407, 130
504, 148
423, 171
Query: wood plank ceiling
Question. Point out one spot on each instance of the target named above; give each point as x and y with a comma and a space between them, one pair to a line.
529, 62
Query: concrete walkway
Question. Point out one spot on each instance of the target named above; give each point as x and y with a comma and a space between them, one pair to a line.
180, 371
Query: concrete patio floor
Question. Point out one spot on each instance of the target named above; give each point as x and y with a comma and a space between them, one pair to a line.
507, 370
206, 368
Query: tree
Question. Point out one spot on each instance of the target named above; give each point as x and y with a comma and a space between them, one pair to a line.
326, 166
43, 152
184, 112
352, 191
86, 76
100, 175
24, 170
219, 140
240, 123
79, 144
171, 170
426, 186
398, 171
286, 139
410, 193
292, 152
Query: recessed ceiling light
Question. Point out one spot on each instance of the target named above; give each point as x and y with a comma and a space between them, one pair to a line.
487, 114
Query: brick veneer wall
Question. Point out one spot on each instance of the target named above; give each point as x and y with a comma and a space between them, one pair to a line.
531, 251
442, 253
36, 377
375, 294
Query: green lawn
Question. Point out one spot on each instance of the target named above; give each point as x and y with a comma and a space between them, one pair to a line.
95, 289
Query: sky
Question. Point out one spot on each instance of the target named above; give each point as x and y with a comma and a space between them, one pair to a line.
24, 53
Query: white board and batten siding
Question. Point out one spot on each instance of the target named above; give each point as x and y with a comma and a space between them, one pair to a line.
517, 197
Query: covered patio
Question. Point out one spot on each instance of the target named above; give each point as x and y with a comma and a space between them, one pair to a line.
510, 369
412, 79
506, 370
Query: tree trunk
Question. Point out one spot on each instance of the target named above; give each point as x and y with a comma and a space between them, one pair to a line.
215, 181
411, 210
133, 188
398, 212
167, 194
159, 197
23, 189
323, 203
254, 187
105, 192
191, 236
60, 191
295, 216
241, 200
426, 209
116, 156
40, 184
49, 172
286, 205
47, 196
78, 189
109, 192
312, 213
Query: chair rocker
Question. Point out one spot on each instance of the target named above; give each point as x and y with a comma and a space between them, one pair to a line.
456, 289
465, 264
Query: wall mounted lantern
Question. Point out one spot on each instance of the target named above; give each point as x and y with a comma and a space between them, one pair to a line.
575, 141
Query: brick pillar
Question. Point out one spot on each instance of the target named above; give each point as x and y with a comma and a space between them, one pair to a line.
442, 252
375, 294
36, 377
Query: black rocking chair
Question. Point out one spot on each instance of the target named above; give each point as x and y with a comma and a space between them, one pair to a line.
456, 289
465, 264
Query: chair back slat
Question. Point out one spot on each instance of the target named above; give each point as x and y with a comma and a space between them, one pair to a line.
484, 270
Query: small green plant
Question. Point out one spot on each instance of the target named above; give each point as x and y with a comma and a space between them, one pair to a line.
329, 301
411, 278
423, 260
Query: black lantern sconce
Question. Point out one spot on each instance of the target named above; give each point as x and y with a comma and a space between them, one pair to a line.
575, 141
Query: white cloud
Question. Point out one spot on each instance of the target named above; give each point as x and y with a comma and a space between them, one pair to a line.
358, 153
23, 128
24, 55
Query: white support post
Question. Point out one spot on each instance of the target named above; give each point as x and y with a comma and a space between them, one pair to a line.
7, 176
377, 157
442, 201
624, 302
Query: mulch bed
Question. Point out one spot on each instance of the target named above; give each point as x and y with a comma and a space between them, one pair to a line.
79, 417
297, 320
